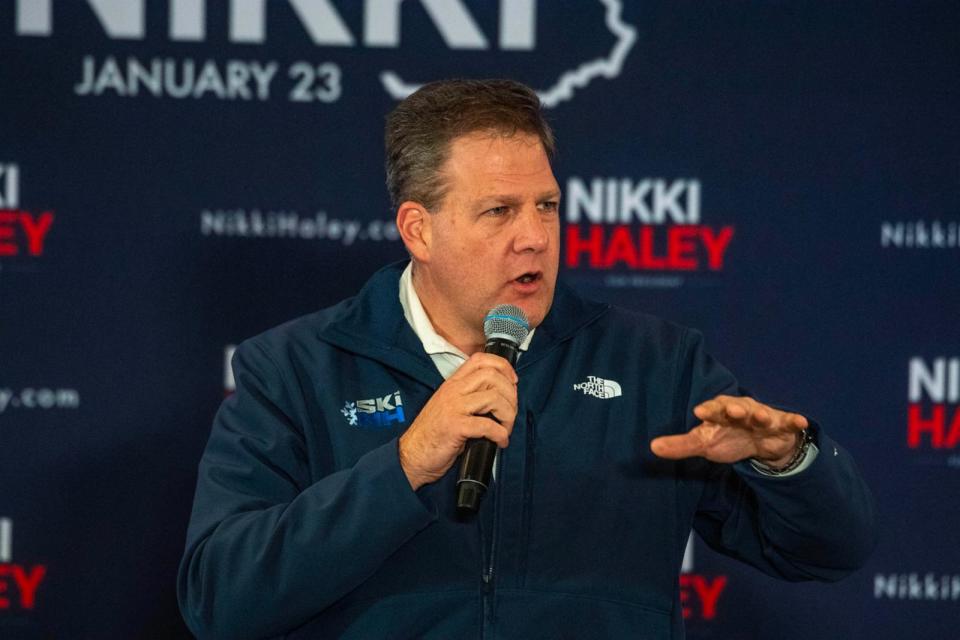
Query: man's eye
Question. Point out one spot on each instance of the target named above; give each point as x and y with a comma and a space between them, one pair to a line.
549, 206
497, 211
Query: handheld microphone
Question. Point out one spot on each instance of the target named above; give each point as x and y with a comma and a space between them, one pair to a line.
505, 329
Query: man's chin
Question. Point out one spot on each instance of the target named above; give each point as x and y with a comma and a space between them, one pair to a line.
535, 307
535, 310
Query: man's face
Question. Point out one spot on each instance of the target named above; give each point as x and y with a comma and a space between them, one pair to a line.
495, 238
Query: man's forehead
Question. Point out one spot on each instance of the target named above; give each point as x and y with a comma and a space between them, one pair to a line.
492, 140
498, 157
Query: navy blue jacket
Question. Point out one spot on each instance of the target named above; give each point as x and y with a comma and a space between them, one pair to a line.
305, 526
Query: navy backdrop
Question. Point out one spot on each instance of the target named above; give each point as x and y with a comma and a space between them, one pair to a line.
176, 176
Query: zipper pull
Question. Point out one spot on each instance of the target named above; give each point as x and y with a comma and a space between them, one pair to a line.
487, 584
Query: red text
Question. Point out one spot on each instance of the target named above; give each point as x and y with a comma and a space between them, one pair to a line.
934, 421
32, 229
699, 595
18, 585
658, 248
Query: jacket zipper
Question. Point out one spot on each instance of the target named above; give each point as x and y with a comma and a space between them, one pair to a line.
487, 576
528, 474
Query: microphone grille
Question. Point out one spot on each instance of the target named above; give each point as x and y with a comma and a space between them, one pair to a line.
507, 322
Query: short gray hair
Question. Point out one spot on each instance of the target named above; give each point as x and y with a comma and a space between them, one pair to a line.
420, 129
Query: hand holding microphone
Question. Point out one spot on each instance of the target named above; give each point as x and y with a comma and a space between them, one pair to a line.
479, 401
505, 329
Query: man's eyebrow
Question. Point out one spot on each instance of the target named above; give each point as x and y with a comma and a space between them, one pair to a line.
508, 199
511, 199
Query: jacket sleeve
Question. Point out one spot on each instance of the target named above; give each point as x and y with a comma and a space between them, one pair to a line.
267, 549
819, 524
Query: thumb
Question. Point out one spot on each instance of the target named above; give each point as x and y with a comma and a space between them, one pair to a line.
677, 447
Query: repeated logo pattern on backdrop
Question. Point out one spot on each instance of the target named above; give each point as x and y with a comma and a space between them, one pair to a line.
179, 175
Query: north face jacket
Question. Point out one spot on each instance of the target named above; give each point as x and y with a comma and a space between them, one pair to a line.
305, 526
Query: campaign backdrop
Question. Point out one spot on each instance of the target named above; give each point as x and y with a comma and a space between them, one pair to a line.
179, 175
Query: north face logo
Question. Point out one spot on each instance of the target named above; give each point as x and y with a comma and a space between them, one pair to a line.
375, 413
599, 388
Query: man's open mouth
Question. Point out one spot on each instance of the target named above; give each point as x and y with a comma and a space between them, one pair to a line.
528, 277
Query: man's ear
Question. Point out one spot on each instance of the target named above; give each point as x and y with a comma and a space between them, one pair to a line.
414, 224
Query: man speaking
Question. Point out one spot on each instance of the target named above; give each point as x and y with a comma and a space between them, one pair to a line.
327, 498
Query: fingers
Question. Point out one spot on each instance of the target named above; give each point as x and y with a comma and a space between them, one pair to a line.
485, 378
478, 401
783, 421
488, 387
491, 401
483, 427
724, 409
747, 412
479, 361
796, 422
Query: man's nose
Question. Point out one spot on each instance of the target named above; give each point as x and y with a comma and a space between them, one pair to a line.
531, 233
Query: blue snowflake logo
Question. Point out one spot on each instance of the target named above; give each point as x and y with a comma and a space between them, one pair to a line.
349, 412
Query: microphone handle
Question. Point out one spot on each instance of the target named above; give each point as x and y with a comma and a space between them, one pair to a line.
476, 463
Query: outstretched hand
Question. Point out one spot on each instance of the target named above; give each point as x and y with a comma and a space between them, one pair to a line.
735, 429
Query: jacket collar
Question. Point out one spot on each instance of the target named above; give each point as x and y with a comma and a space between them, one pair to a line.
568, 314
372, 324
